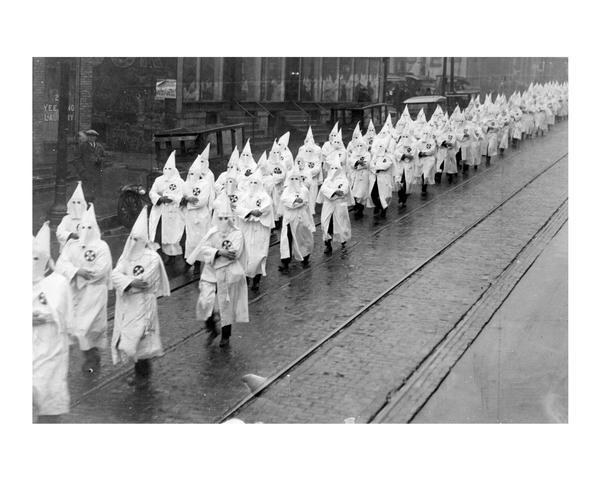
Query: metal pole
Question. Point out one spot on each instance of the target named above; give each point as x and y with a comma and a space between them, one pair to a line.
59, 209
444, 69
452, 74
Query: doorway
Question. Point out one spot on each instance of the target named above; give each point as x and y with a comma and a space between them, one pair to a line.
292, 79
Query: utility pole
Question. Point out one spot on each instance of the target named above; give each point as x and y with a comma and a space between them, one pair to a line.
452, 74
444, 69
59, 209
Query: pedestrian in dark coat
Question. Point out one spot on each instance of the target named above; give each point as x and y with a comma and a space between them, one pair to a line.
90, 165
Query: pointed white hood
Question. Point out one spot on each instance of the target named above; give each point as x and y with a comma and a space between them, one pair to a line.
200, 166
89, 231
309, 136
76, 206
284, 140
170, 169
333, 132
41, 252
247, 165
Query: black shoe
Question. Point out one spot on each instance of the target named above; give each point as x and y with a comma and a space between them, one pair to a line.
224, 342
343, 244
383, 212
255, 283
306, 261
376, 210
197, 268
328, 247
284, 268
475, 168
402, 205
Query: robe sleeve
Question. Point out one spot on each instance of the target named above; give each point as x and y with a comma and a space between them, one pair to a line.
327, 190
386, 165
266, 205
237, 243
102, 264
66, 266
63, 230
120, 279
242, 210
203, 252
154, 195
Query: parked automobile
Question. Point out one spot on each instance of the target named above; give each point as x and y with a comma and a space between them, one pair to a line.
428, 103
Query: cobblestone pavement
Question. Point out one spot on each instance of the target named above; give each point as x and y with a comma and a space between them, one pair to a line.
352, 375
195, 383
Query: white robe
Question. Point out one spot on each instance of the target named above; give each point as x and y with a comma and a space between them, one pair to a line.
335, 208
197, 215
90, 297
173, 221
256, 230
300, 219
222, 285
136, 333
382, 168
50, 345
362, 178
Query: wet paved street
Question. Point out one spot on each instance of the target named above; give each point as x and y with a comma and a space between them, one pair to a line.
517, 369
195, 383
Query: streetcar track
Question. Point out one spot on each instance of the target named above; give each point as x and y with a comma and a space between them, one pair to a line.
390, 403
313, 349
472, 177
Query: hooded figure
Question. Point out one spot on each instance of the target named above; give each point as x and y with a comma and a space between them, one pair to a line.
278, 173
298, 225
338, 154
361, 178
309, 155
198, 200
223, 292
405, 154
371, 134
231, 169
52, 312
356, 134
426, 161
286, 155
448, 142
166, 194
76, 207
87, 263
327, 147
381, 185
266, 174
246, 166
139, 279
255, 213
335, 195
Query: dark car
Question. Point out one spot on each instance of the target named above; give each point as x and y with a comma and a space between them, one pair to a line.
428, 103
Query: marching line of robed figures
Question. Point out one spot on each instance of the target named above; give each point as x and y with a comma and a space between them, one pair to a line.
228, 223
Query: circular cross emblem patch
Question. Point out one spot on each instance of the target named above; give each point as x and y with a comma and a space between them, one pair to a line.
172, 186
248, 173
311, 165
196, 191
277, 170
89, 255
226, 244
409, 149
258, 202
42, 298
428, 146
233, 198
138, 270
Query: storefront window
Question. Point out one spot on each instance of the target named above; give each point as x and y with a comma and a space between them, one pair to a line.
211, 78
361, 73
330, 80
249, 87
272, 90
310, 85
373, 83
346, 80
191, 90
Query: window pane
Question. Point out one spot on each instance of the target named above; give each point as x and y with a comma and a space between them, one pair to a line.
310, 79
346, 80
273, 81
190, 81
250, 79
210, 78
361, 72
373, 83
330, 80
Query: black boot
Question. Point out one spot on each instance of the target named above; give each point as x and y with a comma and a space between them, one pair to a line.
225, 335
383, 212
475, 167
306, 261
488, 159
211, 327
197, 268
423, 189
142, 370
285, 265
358, 210
255, 283
328, 247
